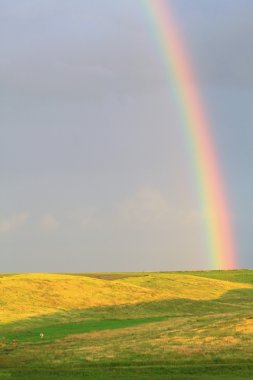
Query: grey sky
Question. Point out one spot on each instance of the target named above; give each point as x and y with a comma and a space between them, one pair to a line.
94, 172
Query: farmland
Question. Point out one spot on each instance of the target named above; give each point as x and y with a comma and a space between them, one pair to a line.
167, 325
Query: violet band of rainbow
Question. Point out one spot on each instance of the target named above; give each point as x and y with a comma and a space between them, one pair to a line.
209, 181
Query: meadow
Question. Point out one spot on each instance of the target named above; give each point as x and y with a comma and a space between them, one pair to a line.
166, 325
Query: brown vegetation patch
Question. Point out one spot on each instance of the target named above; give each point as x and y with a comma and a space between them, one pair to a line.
110, 276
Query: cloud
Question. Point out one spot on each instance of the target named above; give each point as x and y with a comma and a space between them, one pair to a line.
85, 219
89, 221
149, 207
60, 66
191, 216
49, 223
221, 44
52, 61
14, 222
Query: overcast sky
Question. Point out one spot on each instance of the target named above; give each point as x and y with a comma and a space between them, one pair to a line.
94, 171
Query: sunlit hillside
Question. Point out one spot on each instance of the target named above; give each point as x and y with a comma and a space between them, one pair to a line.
138, 326
27, 295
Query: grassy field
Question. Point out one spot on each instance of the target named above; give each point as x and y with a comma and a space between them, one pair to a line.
180, 325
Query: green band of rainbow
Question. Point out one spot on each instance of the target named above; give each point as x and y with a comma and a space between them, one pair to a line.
220, 241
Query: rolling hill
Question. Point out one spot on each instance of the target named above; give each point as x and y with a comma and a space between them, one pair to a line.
181, 325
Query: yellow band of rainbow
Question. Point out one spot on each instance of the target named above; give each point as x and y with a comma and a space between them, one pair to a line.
220, 237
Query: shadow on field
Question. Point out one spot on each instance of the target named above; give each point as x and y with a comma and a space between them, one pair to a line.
16, 362
120, 316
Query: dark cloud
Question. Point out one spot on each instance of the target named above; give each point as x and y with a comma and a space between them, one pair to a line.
81, 51
219, 38
87, 118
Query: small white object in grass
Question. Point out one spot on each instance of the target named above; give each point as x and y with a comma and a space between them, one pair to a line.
41, 335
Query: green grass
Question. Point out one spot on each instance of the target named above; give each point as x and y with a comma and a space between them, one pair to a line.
241, 276
180, 338
61, 330
233, 372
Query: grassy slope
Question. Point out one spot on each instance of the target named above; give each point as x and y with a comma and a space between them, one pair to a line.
28, 295
146, 326
241, 276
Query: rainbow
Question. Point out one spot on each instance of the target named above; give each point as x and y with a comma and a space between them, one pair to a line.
209, 182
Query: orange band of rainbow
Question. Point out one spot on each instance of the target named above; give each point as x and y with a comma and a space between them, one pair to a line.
210, 185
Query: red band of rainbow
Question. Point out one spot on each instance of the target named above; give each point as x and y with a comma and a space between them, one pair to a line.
220, 237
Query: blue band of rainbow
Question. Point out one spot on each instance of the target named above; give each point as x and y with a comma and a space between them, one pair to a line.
209, 183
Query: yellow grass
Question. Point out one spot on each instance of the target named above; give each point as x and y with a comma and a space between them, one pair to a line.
245, 326
184, 286
27, 295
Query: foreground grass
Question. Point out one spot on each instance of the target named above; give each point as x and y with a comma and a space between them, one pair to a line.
190, 326
233, 372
